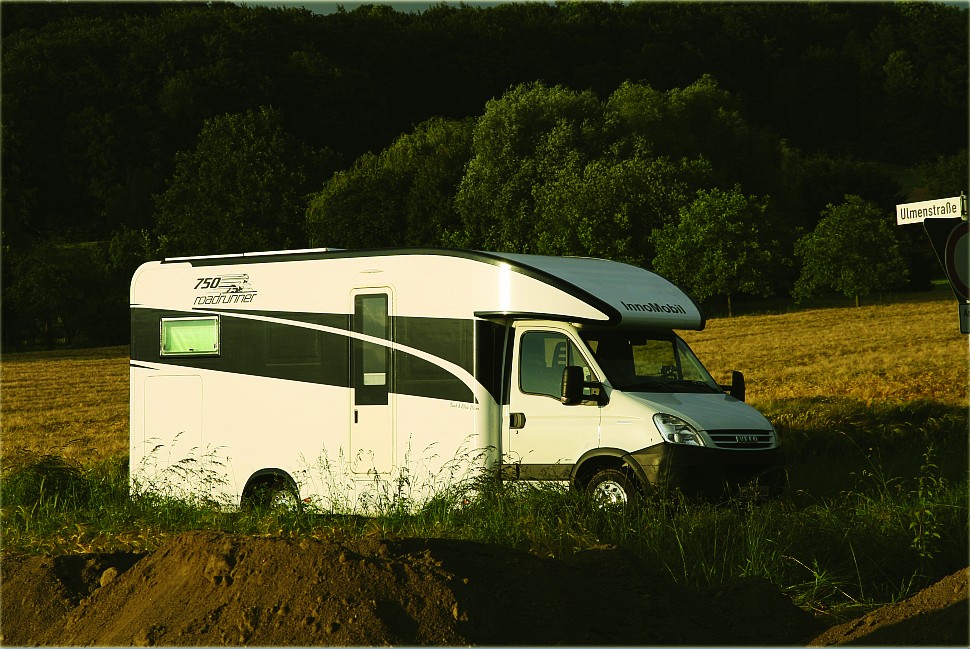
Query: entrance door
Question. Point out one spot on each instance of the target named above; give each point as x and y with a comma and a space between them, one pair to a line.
545, 436
372, 418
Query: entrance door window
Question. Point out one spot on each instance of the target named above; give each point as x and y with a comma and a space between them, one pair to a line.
371, 360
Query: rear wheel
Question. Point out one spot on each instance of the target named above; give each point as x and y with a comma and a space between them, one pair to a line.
274, 495
611, 489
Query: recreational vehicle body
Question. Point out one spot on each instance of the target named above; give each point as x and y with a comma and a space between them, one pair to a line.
353, 378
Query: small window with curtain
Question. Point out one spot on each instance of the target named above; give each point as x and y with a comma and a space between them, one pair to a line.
190, 336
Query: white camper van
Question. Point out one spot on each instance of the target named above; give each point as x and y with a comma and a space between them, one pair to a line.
350, 378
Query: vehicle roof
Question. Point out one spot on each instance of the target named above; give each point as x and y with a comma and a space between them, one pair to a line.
618, 293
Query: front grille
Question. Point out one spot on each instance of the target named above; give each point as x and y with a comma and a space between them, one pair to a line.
741, 439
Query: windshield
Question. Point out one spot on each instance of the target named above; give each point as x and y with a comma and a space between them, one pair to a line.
639, 361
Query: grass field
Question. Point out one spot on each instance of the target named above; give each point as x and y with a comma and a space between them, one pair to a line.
870, 404
890, 353
859, 389
68, 403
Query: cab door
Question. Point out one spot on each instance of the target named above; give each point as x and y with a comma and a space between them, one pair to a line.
372, 407
546, 437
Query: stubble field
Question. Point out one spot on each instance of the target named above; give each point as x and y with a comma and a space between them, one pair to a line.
69, 403
885, 353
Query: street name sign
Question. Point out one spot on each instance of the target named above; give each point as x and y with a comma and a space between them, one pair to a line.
940, 208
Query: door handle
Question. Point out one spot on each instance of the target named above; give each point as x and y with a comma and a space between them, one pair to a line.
517, 420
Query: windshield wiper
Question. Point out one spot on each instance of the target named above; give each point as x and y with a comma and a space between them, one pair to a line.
648, 385
694, 383
667, 385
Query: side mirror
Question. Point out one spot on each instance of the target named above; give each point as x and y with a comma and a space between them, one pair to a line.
574, 382
737, 385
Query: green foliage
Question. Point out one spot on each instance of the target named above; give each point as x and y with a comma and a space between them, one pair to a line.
946, 176
61, 292
47, 482
705, 120
129, 248
243, 187
403, 196
853, 250
521, 141
817, 180
925, 527
721, 245
558, 172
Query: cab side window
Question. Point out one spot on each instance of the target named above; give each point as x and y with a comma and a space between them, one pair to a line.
542, 357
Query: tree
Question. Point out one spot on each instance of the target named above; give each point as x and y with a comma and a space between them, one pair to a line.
558, 172
700, 120
513, 154
721, 245
608, 206
61, 291
946, 175
853, 250
402, 197
243, 187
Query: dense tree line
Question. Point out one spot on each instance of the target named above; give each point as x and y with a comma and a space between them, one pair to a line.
622, 130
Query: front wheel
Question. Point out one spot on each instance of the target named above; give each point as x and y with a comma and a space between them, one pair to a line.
611, 489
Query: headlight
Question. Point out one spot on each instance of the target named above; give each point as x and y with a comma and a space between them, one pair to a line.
677, 431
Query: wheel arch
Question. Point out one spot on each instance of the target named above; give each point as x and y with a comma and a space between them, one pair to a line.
265, 477
605, 458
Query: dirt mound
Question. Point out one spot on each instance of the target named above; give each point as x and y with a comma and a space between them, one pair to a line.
39, 591
33, 599
211, 588
937, 615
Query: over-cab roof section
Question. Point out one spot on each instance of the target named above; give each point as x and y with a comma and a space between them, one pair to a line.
623, 294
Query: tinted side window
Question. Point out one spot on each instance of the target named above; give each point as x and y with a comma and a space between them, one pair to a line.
542, 357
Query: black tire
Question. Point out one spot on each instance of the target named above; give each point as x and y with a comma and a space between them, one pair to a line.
612, 489
274, 495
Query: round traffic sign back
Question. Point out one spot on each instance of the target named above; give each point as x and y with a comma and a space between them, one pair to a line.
958, 259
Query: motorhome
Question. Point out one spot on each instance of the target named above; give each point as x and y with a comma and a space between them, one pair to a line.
350, 379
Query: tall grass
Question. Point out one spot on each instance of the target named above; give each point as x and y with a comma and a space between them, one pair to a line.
873, 543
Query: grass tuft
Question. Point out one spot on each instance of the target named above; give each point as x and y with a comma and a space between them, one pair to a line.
46, 482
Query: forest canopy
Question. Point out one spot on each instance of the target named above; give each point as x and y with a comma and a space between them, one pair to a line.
133, 131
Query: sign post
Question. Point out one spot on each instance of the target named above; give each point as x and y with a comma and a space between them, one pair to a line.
945, 222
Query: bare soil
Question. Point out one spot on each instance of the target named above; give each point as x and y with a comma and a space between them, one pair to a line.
217, 589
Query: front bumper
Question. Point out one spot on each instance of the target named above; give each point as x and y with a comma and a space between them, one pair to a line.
713, 472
